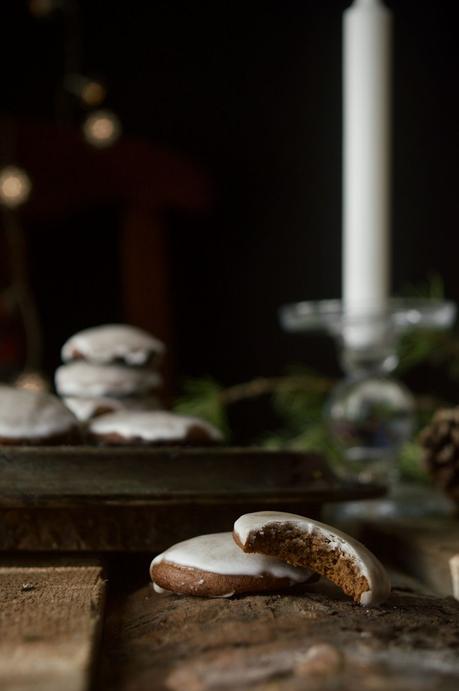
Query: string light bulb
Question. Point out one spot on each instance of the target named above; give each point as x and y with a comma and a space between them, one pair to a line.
102, 128
31, 381
91, 92
15, 186
43, 8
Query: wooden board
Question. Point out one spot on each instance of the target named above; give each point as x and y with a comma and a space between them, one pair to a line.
90, 476
123, 529
50, 618
423, 547
137, 499
314, 640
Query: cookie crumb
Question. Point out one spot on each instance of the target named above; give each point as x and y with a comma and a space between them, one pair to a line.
26, 587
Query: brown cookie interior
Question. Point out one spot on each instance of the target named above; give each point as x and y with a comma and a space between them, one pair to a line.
308, 550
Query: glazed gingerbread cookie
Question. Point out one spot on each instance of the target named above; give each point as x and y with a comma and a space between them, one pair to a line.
83, 379
152, 428
112, 343
300, 541
214, 566
31, 417
86, 408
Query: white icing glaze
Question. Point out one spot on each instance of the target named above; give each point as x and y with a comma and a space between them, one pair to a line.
82, 379
32, 415
219, 554
104, 344
86, 408
161, 591
370, 567
152, 426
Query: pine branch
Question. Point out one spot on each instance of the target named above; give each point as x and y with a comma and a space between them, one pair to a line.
270, 385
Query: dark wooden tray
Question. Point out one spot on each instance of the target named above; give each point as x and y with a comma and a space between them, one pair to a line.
82, 476
131, 498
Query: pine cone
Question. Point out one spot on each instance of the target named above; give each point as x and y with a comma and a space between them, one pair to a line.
440, 443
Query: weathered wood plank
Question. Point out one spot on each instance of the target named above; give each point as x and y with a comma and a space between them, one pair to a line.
140, 499
281, 642
76, 477
123, 529
454, 570
427, 548
50, 619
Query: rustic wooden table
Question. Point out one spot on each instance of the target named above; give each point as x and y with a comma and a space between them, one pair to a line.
312, 639
92, 621
52, 636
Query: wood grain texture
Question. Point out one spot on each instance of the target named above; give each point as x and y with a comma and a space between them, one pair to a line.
423, 547
74, 477
50, 617
123, 529
144, 499
314, 640
454, 570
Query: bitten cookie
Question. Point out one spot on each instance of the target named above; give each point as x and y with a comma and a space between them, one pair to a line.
82, 379
213, 566
30, 417
152, 427
303, 542
87, 408
111, 343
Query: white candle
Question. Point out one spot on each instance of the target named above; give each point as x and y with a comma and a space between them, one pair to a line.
366, 151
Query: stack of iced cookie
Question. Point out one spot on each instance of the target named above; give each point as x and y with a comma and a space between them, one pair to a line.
110, 368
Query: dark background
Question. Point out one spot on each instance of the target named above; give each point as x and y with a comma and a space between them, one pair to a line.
252, 93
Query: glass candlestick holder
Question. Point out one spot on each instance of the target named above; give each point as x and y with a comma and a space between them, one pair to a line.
369, 413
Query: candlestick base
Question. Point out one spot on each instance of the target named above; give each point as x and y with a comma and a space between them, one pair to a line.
370, 414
